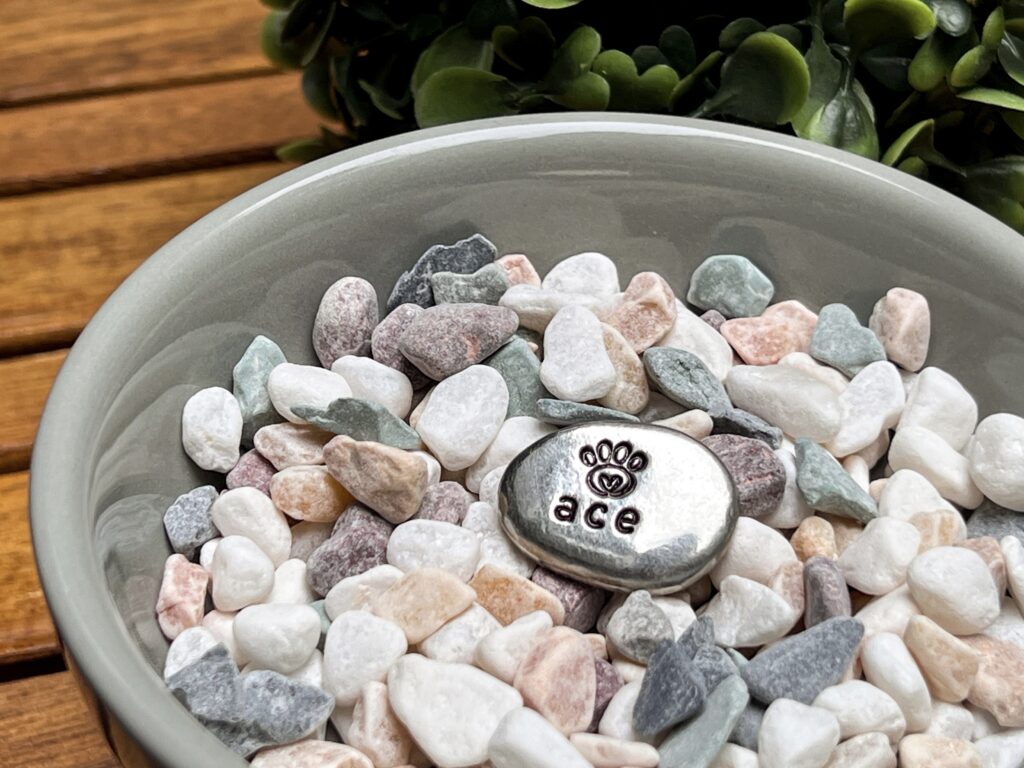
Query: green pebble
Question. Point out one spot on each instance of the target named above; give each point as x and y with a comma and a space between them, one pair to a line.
520, 369
695, 744
562, 413
250, 388
683, 377
731, 285
841, 341
528, 334
485, 286
325, 622
361, 420
827, 487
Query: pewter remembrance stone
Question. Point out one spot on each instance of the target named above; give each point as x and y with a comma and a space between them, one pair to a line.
622, 506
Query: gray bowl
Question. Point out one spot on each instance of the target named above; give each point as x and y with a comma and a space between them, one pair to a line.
653, 193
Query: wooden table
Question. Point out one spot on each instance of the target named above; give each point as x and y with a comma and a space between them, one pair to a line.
121, 122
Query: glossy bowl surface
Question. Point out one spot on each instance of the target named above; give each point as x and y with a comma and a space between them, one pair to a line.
653, 193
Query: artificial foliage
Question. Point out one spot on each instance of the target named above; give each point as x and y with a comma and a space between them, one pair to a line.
932, 87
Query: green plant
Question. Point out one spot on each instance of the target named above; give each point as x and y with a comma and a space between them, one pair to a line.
932, 87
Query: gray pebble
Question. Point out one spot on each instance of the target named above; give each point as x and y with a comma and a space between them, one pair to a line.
738, 659
385, 339
700, 634
696, 743
449, 338
358, 543
730, 284
714, 664
827, 487
464, 257
802, 666
345, 321
361, 420
614, 603
638, 627
520, 368
748, 726
250, 385
562, 413
446, 502
485, 286
990, 519
714, 318
825, 592
734, 421
284, 709
210, 687
841, 341
683, 377
188, 522
673, 690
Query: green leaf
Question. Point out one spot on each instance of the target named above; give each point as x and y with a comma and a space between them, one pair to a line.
589, 91
765, 81
845, 121
280, 54
677, 45
384, 101
826, 73
995, 97
573, 57
485, 15
423, 25
1015, 120
317, 89
279, 5
355, 99
997, 186
918, 141
871, 23
889, 64
646, 56
737, 31
935, 60
455, 47
552, 5
1011, 55
455, 94
993, 30
952, 16
915, 166
631, 91
790, 32
971, 67
302, 151
528, 47
697, 76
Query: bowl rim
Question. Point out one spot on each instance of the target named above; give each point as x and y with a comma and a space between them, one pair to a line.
87, 619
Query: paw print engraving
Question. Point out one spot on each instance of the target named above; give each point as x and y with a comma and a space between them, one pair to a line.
613, 467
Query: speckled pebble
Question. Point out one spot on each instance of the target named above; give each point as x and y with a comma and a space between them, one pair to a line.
582, 602
992, 520
361, 420
840, 341
557, 678
345, 319
630, 392
187, 520
748, 725
485, 286
357, 544
449, 338
508, 596
825, 592
731, 284
288, 445
638, 627
998, 687
253, 471
389, 481
283, 709
647, 311
250, 376
757, 473
463, 257
519, 269
714, 318
609, 682
682, 377
781, 329
422, 601
520, 369
309, 493
564, 412
714, 665
814, 537
734, 421
182, 596
902, 322
384, 343
695, 744
210, 686
446, 502
827, 487
672, 691
948, 664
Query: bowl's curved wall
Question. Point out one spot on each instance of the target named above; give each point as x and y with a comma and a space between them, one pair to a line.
653, 193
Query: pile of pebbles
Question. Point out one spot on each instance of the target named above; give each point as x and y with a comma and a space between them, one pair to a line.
350, 599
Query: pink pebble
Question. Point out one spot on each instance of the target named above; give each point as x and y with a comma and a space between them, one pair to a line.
902, 322
781, 329
519, 270
647, 312
182, 596
252, 470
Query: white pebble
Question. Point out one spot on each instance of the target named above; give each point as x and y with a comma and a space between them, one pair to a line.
307, 536
869, 750
1013, 556
515, 434
691, 333
793, 509
798, 403
248, 512
495, 546
876, 561
576, 364
826, 374
278, 636
221, 624
755, 551
997, 457
490, 486
794, 735
858, 469
211, 429
617, 720
679, 613
291, 386
291, 585
735, 756
188, 646
433, 467
873, 401
954, 588
434, 544
606, 752
501, 651
355, 593
985, 723
206, 553
241, 573
907, 493
1002, 750
629, 670
360, 648
1008, 626
525, 739
747, 614
590, 273
888, 613
860, 708
928, 454
457, 640
464, 414
537, 306
951, 721
451, 710
888, 665
939, 403
376, 382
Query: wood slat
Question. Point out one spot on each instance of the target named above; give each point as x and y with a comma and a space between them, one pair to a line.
44, 721
61, 47
27, 382
142, 134
65, 251
26, 631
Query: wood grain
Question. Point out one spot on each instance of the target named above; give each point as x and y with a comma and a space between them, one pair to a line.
65, 251
44, 721
26, 631
61, 47
27, 380
143, 134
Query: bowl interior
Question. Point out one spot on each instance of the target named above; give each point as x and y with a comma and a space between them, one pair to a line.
651, 193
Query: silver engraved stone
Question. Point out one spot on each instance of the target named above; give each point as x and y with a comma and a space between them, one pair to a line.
620, 506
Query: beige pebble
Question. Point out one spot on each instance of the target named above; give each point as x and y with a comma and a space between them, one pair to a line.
948, 664
902, 322
558, 679
509, 596
788, 583
647, 311
598, 645
845, 530
876, 487
869, 750
814, 537
696, 423
182, 596
422, 601
990, 552
999, 685
629, 670
608, 752
311, 754
388, 480
289, 445
309, 493
939, 528
519, 269
376, 731
630, 393
920, 750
